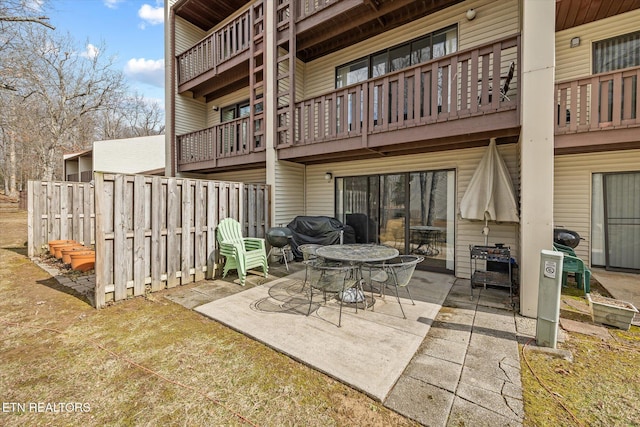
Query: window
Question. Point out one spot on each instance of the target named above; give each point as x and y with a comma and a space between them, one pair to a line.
616, 53
354, 72
434, 45
236, 111
613, 54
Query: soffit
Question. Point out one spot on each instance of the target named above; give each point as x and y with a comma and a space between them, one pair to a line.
206, 14
571, 13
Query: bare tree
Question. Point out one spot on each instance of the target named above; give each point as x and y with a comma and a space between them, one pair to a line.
57, 98
14, 14
62, 85
20, 11
135, 116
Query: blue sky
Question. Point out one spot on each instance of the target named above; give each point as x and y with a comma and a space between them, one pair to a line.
131, 30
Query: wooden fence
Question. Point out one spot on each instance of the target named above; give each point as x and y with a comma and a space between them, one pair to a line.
151, 233
59, 210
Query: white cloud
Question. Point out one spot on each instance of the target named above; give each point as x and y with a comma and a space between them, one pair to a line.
146, 71
112, 4
90, 52
151, 15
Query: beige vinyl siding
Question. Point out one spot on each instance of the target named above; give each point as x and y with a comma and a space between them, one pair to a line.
572, 189
299, 75
289, 191
499, 17
320, 193
187, 35
190, 114
576, 62
494, 20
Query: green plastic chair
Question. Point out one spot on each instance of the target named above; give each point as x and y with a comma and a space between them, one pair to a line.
572, 264
241, 253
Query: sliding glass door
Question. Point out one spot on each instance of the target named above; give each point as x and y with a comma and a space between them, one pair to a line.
615, 221
413, 212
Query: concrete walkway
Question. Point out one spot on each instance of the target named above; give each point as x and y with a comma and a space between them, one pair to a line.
467, 370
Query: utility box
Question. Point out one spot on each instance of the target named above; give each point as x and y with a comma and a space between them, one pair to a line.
549, 287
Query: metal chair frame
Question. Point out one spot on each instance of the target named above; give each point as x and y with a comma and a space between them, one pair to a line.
398, 274
308, 253
330, 278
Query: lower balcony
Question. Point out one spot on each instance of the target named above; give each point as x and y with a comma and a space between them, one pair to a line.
598, 112
230, 145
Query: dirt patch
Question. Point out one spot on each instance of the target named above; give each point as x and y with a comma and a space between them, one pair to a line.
611, 301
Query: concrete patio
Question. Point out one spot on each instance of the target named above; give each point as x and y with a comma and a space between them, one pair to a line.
453, 360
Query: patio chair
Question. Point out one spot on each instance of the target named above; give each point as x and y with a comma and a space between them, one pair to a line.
505, 87
330, 278
308, 254
396, 272
241, 253
572, 264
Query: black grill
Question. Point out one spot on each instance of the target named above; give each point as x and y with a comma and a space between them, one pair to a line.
279, 237
566, 237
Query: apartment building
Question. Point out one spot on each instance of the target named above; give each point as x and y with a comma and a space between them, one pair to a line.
378, 113
139, 155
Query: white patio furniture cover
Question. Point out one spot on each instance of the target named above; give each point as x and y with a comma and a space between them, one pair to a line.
490, 195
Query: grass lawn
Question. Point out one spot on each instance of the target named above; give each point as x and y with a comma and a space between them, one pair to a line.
600, 387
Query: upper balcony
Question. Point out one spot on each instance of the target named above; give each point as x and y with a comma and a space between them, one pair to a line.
607, 102
453, 101
223, 54
321, 27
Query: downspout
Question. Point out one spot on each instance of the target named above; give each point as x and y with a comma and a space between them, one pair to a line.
170, 92
270, 102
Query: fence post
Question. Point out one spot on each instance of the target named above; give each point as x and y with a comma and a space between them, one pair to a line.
100, 264
31, 220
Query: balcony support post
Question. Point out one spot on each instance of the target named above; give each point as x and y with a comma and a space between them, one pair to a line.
536, 145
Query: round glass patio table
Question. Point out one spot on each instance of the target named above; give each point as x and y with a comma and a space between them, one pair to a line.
357, 253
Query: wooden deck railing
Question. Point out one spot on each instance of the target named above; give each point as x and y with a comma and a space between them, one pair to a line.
601, 101
224, 140
305, 8
448, 88
218, 47
86, 176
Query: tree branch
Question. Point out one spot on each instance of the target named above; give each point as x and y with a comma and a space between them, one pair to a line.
38, 20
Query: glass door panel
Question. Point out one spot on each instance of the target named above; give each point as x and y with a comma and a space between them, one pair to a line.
356, 211
393, 211
431, 217
622, 220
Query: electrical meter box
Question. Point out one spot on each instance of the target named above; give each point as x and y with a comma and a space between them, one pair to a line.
549, 287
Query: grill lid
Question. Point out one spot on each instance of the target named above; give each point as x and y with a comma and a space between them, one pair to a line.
279, 236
